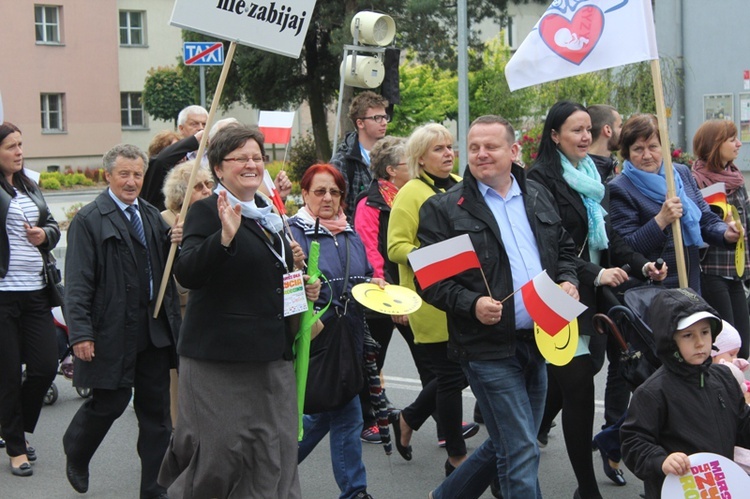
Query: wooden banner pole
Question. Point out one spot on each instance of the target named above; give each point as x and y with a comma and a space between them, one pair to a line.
661, 115
194, 173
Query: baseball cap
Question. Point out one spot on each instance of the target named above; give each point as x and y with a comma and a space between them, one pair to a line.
691, 319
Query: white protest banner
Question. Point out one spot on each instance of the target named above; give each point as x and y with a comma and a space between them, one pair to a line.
279, 27
580, 36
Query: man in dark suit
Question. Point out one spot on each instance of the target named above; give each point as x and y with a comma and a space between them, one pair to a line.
117, 248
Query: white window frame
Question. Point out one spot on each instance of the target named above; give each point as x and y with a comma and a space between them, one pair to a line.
45, 24
129, 29
53, 120
129, 108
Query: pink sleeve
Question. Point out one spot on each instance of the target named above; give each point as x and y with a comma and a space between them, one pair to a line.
367, 225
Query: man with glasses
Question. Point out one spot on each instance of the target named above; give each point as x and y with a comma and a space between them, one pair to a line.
370, 120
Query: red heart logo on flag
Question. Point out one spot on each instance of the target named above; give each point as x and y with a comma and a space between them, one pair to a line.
575, 39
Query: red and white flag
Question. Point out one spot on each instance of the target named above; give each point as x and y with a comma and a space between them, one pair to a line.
442, 260
715, 193
551, 308
276, 126
580, 36
275, 196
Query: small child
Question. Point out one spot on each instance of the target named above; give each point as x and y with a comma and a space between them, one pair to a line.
688, 405
726, 348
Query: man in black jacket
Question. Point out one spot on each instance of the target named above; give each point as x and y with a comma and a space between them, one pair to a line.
516, 232
117, 249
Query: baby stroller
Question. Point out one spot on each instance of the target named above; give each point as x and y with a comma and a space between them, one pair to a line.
65, 358
638, 359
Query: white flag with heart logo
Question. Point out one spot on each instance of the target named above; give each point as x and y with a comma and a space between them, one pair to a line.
580, 36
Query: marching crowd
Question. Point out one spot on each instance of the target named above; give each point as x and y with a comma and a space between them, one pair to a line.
211, 371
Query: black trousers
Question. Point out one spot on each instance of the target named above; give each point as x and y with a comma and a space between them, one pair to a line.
151, 401
27, 336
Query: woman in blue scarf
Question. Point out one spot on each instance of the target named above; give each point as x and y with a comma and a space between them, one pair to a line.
642, 214
565, 168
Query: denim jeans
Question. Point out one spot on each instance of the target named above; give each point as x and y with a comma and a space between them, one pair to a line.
344, 425
511, 394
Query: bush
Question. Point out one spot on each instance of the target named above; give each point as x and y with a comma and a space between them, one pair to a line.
50, 183
301, 155
72, 210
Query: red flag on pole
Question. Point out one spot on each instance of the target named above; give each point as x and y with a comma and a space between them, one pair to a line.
443, 260
550, 307
716, 195
275, 196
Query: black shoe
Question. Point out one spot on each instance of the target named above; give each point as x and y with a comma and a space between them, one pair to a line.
2, 443
363, 495
30, 453
542, 439
495, 488
23, 470
394, 418
370, 435
614, 474
78, 477
449, 468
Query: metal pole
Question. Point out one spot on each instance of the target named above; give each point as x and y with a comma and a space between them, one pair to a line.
338, 110
463, 85
203, 87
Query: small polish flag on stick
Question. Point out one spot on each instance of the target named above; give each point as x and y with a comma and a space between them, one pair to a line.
442, 260
550, 307
716, 195
276, 126
275, 196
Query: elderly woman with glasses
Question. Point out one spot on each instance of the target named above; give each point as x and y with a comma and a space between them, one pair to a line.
236, 340
343, 262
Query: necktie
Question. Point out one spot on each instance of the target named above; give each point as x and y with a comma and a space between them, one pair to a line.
138, 226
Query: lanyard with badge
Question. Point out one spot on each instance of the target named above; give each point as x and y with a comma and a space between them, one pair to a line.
295, 300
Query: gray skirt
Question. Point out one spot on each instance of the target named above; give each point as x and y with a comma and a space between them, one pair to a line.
236, 435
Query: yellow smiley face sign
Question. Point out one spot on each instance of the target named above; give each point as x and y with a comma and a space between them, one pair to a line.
739, 250
560, 348
393, 300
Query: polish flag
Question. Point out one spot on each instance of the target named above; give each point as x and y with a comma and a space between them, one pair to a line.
443, 260
275, 196
276, 126
716, 195
551, 308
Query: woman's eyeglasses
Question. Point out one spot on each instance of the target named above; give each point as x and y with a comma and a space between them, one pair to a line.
208, 184
319, 193
243, 160
378, 118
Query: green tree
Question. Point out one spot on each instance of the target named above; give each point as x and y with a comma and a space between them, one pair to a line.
269, 81
166, 92
427, 94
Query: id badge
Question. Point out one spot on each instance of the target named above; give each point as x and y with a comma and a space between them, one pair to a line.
295, 300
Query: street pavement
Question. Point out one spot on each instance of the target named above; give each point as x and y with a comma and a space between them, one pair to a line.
115, 469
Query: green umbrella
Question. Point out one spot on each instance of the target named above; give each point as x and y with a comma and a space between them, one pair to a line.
302, 339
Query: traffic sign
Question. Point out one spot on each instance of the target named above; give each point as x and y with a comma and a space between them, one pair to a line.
203, 53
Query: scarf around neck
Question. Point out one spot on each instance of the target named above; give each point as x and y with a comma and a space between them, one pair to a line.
388, 190
585, 180
335, 225
654, 187
730, 175
263, 215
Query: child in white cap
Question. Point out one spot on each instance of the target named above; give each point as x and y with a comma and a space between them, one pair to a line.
726, 348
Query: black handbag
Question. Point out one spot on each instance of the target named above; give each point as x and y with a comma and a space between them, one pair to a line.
53, 278
335, 373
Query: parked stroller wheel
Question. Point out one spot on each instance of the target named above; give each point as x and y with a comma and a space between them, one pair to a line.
51, 396
83, 392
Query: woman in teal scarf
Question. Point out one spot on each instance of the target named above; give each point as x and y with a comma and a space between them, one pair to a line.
565, 168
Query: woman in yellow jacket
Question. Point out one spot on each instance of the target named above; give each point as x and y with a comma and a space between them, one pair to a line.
430, 158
